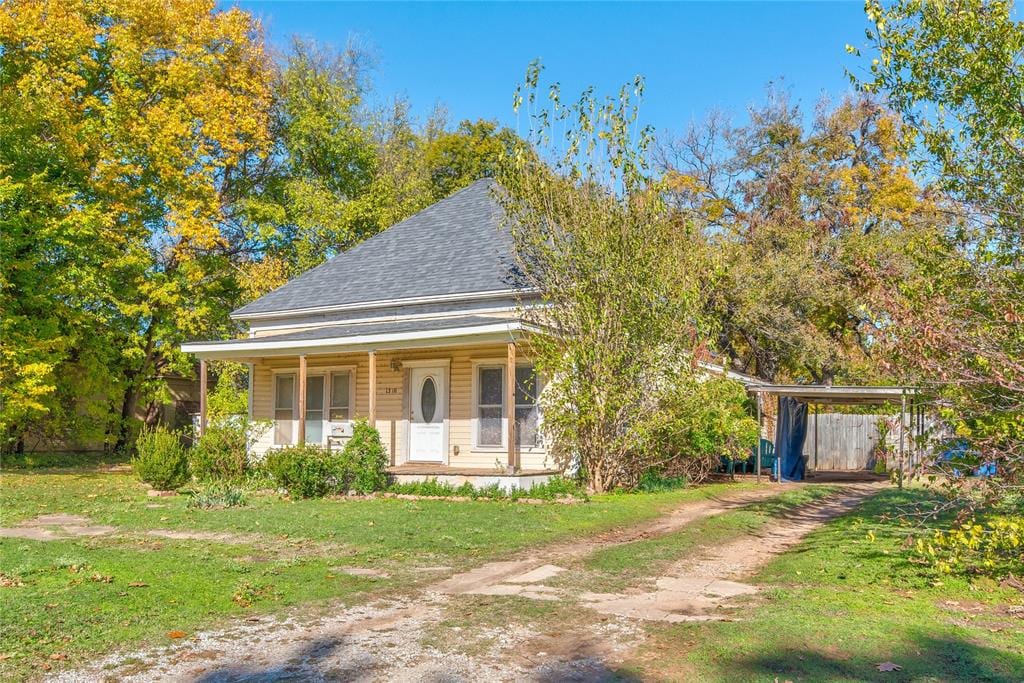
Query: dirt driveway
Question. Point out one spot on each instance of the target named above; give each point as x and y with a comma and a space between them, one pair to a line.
396, 639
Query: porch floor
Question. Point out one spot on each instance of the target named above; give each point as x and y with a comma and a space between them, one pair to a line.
432, 469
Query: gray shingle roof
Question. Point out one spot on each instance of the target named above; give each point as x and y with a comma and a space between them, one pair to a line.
455, 246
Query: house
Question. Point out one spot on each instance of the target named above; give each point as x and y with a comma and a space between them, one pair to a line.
416, 329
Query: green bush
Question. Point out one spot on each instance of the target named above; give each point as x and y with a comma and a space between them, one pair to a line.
655, 482
161, 459
365, 456
217, 495
307, 471
220, 453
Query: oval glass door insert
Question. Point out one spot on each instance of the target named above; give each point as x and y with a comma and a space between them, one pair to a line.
428, 399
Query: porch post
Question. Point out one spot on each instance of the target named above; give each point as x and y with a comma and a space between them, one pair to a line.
373, 388
510, 405
903, 433
757, 448
302, 400
202, 397
817, 416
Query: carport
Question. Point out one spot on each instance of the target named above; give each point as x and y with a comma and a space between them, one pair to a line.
908, 398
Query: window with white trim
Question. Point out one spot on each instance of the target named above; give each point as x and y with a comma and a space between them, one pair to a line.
490, 406
315, 390
284, 408
341, 396
527, 414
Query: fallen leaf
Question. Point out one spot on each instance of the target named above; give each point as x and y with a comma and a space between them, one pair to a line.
889, 666
176, 634
138, 584
58, 656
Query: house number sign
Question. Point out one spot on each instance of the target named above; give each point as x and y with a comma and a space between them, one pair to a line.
388, 391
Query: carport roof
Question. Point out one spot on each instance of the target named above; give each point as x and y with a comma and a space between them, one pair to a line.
837, 395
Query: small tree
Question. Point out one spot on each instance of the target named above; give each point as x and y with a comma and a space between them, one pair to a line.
593, 236
955, 319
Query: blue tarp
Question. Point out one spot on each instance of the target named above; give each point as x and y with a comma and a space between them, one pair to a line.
790, 432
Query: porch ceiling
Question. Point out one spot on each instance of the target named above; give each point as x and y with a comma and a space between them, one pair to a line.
399, 334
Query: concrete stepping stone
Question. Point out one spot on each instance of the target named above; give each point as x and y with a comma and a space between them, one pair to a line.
542, 573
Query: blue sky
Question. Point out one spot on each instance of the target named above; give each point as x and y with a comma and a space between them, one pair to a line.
695, 56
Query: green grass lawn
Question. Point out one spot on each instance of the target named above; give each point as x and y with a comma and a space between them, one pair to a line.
64, 601
845, 600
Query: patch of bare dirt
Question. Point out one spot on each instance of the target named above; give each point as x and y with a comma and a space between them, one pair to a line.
385, 641
700, 588
520, 576
703, 587
224, 537
55, 527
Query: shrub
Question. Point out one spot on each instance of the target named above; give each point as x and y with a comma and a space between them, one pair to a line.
556, 487
704, 421
221, 452
654, 482
307, 471
217, 495
161, 459
364, 454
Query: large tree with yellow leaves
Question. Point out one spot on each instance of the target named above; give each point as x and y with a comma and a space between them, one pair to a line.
124, 125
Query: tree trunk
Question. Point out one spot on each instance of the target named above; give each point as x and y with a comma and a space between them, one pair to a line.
128, 402
131, 392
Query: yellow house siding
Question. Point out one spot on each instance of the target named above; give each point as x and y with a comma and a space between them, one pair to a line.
392, 405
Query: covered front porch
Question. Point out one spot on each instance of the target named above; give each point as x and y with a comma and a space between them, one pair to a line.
452, 398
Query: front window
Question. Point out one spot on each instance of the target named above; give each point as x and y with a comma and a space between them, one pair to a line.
341, 402
490, 406
526, 406
490, 428
328, 399
315, 409
284, 408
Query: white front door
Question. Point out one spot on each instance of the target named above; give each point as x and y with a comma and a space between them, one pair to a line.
427, 438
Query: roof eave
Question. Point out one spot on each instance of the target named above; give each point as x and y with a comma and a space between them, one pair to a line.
463, 297
259, 347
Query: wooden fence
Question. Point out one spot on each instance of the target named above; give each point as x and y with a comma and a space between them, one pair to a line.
845, 441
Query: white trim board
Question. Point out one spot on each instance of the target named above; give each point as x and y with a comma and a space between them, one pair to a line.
260, 346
